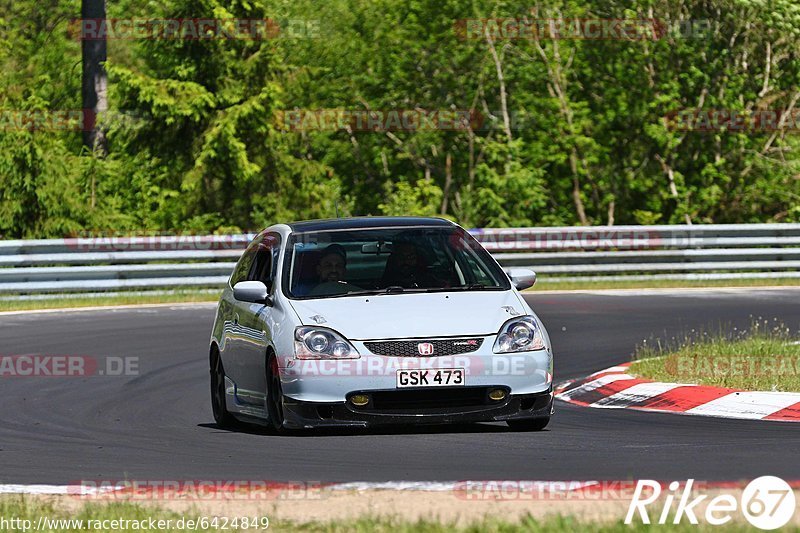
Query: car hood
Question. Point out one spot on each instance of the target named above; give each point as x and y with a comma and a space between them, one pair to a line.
391, 316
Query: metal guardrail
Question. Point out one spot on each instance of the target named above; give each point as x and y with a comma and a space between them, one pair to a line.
715, 251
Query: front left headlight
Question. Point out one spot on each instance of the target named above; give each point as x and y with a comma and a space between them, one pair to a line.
312, 342
520, 334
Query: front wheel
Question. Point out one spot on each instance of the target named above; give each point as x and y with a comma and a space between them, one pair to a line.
529, 424
274, 397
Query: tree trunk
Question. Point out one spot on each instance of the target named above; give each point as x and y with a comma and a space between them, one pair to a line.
95, 80
448, 181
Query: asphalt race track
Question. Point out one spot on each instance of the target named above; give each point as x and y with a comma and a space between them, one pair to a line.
158, 425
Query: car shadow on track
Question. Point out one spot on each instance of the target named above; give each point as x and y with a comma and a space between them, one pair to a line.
251, 429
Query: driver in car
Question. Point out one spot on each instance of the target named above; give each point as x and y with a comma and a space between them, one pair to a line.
331, 271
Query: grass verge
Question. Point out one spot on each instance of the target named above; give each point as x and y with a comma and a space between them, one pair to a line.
75, 300
552, 284
764, 357
558, 524
20, 513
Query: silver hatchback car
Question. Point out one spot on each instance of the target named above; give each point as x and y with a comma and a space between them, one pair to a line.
377, 320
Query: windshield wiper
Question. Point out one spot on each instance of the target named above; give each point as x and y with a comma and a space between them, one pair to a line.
392, 289
397, 289
474, 287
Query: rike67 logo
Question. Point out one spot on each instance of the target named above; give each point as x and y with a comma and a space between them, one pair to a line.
767, 502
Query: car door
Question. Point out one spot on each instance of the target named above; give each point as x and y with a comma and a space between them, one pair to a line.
230, 311
254, 324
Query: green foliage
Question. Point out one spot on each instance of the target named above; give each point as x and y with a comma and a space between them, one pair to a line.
197, 142
39, 187
420, 199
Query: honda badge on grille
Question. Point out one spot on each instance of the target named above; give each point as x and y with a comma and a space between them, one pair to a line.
425, 348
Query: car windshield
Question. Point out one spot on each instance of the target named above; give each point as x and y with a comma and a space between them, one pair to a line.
339, 263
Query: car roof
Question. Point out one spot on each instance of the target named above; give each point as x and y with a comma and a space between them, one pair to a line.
366, 222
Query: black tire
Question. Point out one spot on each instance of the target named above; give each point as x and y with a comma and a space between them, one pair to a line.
274, 397
529, 424
221, 415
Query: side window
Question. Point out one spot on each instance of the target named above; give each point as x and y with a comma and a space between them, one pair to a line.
244, 265
475, 273
265, 263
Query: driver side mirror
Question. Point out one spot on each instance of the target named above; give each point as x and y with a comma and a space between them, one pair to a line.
522, 278
252, 291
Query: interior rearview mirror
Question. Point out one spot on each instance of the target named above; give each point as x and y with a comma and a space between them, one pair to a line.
376, 248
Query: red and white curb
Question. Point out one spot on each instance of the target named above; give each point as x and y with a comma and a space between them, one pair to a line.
614, 388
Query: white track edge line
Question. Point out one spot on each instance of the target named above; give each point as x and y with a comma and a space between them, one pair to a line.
423, 486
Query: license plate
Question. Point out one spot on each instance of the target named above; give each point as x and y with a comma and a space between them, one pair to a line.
430, 377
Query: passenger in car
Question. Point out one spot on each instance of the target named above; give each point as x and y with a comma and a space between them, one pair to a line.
406, 268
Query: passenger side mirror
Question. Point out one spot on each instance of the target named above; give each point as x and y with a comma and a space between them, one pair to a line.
252, 291
522, 278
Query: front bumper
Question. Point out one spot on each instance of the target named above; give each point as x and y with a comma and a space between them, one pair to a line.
397, 410
331, 381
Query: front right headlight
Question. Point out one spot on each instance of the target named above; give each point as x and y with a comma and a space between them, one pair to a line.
313, 342
520, 334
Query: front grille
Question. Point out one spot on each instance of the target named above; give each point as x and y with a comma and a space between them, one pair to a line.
409, 348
